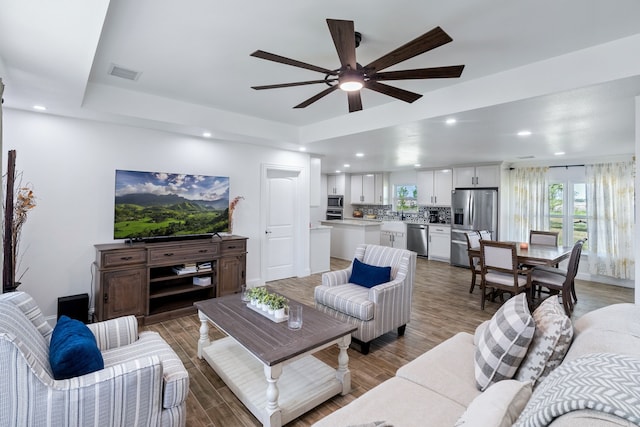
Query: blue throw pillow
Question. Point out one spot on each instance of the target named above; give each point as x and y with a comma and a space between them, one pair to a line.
369, 275
73, 350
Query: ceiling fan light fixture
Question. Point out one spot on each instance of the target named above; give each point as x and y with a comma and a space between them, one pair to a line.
351, 81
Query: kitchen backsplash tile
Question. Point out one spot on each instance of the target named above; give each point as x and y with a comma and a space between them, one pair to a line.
386, 213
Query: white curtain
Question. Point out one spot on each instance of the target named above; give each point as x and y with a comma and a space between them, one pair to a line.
610, 204
530, 188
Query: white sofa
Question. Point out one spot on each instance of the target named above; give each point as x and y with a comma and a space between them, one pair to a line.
436, 388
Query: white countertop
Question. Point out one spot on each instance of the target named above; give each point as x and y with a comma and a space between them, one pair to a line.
320, 227
355, 222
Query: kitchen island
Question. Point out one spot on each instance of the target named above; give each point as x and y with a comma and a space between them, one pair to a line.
320, 248
347, 234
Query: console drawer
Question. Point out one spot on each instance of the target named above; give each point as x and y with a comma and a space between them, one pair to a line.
123, 257
178, 254
230, 246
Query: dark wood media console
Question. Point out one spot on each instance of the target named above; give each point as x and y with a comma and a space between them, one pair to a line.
140, 279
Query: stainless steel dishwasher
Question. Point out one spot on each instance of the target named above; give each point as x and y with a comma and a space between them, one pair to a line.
418, 238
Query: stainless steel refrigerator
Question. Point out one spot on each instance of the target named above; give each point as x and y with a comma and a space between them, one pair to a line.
471, 209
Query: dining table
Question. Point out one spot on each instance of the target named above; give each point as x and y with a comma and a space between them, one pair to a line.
536, 254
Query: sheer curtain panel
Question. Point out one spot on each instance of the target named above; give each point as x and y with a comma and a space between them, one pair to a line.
531, 201
610, 205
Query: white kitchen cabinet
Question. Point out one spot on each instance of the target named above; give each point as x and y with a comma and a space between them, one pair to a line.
367, 189
346, 235
319, 249
439, 242
476, 176
314, 182
434, 187
336, 184
394, 239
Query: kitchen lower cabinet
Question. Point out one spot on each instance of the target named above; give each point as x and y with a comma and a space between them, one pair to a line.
394, 239
439, 242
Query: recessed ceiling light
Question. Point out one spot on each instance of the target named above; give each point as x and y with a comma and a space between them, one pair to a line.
338, 171
559, 153
206, 134
359, 154
303, 148
39, 107
347, 165
524, 133
451, 121
417, 165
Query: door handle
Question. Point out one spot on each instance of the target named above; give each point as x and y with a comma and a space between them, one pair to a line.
267, 232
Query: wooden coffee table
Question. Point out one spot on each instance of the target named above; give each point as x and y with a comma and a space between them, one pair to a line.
269, 367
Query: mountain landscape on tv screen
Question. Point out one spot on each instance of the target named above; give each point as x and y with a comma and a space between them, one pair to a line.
150, 205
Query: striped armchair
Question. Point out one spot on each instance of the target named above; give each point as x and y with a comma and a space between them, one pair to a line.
143, 383
375, 310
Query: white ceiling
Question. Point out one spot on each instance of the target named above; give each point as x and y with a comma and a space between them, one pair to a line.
566, 70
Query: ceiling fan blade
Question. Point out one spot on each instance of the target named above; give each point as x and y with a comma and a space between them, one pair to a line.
282, 60
421, 73
355, 101
430, 40
316, 97
344, 39
401, 94
280, 85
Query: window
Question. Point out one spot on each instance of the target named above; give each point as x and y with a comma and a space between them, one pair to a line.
568, 211
405, 198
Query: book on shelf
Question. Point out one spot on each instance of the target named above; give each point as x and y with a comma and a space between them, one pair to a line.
203, 266
185, 269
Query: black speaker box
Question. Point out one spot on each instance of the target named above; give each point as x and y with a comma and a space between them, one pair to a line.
75, 307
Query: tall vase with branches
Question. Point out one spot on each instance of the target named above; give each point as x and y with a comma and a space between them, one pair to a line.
232, 208
20, 200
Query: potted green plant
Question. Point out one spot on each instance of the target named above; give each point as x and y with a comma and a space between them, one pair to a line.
278, 304
256, 294
268, 301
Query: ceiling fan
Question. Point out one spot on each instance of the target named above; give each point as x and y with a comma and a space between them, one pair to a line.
351, 76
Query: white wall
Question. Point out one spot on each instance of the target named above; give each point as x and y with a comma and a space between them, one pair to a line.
71, 164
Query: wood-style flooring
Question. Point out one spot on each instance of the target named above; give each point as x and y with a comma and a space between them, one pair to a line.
442, 307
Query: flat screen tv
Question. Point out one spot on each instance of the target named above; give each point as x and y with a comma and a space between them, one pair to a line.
155, 205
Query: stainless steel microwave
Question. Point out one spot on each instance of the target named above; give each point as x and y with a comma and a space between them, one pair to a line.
335, 201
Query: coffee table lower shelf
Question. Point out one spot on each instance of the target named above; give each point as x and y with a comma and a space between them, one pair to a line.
304, 383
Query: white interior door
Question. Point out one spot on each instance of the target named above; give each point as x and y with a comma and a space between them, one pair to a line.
281, 200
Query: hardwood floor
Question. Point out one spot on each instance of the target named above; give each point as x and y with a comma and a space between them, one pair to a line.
442, 307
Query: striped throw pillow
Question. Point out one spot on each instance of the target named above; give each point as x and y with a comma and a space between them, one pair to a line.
504, 342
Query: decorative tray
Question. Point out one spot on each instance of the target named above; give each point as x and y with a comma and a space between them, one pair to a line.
266, 314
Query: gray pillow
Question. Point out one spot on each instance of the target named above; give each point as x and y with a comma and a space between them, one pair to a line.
504, 342
551, 341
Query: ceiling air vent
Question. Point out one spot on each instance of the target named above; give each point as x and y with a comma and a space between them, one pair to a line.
526, 157
123, 73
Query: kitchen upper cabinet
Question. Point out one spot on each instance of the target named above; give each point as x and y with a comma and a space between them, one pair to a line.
476, 176
336, 184
434, 187
367, 189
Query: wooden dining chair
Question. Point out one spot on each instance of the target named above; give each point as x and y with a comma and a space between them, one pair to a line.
560, 281
473, 241
499, 270
485, 235
544, 238
547, 238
